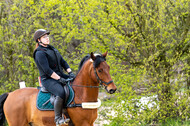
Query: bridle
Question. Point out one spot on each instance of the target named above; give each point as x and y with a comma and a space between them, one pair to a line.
101, 82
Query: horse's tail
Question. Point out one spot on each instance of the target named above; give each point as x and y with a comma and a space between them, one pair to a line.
3, 97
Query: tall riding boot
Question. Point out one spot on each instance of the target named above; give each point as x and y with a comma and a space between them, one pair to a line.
58, 105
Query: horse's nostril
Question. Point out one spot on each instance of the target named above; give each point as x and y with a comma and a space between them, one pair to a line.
112, 91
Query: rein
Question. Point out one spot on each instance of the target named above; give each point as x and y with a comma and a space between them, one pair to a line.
86, 86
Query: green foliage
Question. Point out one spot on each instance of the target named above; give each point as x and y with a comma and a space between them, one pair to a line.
175, 122
148, 44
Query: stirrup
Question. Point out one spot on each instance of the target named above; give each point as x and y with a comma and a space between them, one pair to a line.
62, 121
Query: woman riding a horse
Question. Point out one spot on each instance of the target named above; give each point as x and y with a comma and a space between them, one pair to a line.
19, 107
50, 64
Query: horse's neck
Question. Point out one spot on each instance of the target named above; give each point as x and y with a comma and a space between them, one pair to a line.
85, 94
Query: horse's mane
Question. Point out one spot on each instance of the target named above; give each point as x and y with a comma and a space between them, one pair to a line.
83, 61
99, 58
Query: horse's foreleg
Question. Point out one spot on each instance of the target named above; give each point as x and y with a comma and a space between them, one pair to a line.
82, 117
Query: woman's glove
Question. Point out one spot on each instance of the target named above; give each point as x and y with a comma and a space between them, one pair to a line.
62, 81
71, 75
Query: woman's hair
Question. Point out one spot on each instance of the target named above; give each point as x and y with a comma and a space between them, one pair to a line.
37, 44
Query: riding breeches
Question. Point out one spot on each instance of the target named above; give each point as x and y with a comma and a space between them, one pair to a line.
54, 87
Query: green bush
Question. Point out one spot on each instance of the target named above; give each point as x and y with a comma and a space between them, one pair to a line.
147, 42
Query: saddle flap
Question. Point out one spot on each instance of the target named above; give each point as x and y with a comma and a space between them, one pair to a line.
67, 93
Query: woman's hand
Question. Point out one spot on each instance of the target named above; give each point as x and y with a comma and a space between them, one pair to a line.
62, 81
71, 75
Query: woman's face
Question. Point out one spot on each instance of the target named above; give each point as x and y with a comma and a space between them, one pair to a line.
45, 39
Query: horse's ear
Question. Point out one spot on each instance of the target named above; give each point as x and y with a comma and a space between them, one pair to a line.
92, 56
105, 54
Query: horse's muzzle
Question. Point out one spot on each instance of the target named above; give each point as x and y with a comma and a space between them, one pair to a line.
111, 91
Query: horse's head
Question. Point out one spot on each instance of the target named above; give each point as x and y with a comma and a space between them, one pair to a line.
101, 72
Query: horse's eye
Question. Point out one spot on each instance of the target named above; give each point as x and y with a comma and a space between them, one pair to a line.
100, 70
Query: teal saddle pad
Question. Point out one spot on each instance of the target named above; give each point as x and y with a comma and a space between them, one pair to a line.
43, 100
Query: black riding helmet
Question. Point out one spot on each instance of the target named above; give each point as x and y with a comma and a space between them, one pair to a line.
39, 33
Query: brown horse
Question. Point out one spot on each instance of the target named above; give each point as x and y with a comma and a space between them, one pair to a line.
20, 109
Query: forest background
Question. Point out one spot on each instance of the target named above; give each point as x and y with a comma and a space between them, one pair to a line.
148, 43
